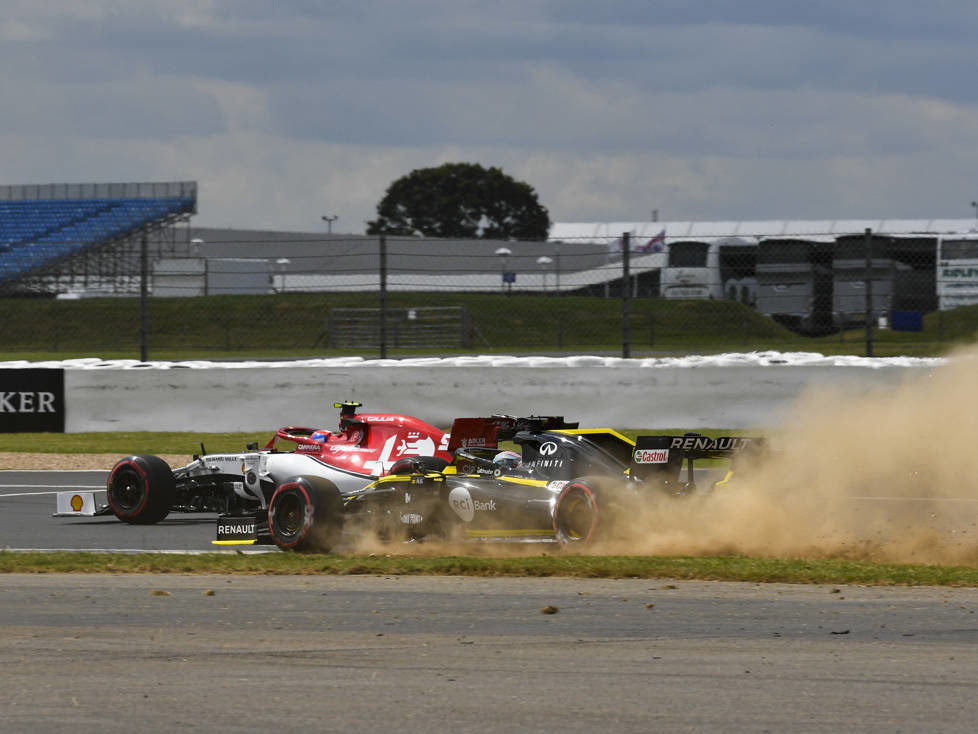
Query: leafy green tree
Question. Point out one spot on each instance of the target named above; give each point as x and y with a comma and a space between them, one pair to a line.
462, 200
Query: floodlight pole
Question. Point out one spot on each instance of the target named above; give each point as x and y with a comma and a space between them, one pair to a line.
383, 296
626, 292
869, 292
143, 298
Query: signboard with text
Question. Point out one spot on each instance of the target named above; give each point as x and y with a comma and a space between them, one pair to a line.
32, 401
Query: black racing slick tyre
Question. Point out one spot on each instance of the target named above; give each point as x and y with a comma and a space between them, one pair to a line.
576, 514
141, 489
306, 514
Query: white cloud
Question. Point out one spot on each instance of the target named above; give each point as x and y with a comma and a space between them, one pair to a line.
287, 111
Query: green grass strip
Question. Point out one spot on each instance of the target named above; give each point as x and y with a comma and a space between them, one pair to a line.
726, 568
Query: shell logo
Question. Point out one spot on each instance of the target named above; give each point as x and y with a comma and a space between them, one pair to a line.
76, 502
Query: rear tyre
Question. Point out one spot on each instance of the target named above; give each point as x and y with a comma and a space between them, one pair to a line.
576, 514
141, 489
306, 514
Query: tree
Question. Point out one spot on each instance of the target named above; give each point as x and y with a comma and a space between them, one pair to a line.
462, 200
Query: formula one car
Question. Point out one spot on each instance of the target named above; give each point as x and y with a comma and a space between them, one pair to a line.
143, 489
566, 485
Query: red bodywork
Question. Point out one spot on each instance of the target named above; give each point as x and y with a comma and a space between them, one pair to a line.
367, 443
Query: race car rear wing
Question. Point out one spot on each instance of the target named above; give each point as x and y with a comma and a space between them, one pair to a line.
660, 458
488, 432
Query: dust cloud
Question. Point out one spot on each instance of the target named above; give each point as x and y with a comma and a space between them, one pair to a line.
884, 475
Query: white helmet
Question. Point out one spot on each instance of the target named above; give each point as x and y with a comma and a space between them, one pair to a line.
507, 459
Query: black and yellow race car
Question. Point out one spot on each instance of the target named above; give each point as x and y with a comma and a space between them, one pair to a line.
562, 484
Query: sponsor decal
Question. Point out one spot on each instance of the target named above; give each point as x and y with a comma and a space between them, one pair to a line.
308, 448
548, 449
460, 501
544, 463
377, 418
236, 530
412, 518
971, 273
489, 506
556, 486
419, 447
384, 461
705, 443
76, 503
652, 456
474, 442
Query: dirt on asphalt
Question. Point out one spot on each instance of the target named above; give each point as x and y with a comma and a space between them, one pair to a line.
73, 462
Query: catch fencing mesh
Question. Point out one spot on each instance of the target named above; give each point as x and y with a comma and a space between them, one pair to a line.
254, 296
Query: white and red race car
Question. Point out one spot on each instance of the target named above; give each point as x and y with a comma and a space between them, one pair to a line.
143, 489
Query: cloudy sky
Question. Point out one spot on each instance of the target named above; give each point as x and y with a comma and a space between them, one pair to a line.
711, 109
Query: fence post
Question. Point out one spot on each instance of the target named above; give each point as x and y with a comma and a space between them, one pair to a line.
626, 294
869, 292
383, 297
143, 298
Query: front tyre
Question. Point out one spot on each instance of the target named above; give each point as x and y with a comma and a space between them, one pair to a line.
141, 489
305, 514
576, 514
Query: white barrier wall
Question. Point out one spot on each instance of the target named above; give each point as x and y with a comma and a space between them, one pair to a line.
692, 393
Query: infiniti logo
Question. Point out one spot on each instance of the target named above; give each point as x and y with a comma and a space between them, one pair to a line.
548, 449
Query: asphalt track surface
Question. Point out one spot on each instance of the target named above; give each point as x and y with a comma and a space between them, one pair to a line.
414, 654
123, 653
28, 499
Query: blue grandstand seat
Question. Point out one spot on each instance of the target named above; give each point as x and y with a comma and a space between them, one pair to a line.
35, 232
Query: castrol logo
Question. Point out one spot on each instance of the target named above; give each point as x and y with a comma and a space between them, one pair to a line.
652, 456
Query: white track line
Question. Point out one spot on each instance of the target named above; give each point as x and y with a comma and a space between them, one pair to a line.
53, 471
57, 488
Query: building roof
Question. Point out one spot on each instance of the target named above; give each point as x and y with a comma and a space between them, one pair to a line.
606, 231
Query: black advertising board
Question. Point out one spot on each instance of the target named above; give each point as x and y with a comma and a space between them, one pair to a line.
32, 401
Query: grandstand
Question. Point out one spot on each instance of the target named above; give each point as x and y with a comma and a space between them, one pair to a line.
88, 238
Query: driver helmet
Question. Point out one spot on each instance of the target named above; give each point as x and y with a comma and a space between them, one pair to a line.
319, 436
507, 459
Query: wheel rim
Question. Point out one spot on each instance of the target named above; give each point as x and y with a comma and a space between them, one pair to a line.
576, 516
127, 491
288, 516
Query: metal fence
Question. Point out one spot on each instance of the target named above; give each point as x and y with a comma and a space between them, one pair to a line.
258, 294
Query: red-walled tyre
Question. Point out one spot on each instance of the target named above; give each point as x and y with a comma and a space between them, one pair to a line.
141, 489
576, 513
306, 514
